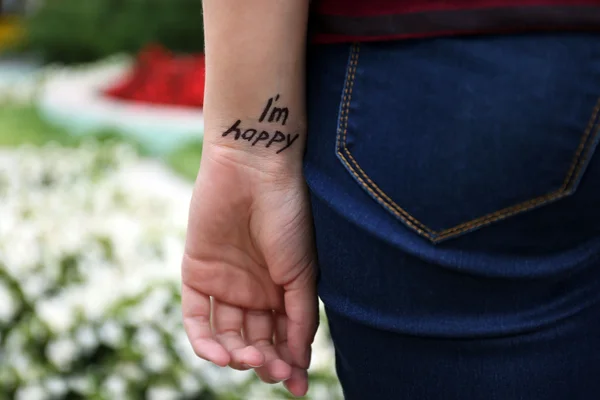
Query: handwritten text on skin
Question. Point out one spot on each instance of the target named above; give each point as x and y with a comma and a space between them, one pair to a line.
273, 114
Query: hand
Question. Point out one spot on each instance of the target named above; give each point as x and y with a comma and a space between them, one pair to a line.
250, 248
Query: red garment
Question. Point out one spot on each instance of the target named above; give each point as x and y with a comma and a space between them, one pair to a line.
370, 20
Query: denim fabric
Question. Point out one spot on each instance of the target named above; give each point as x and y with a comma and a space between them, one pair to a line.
455, 188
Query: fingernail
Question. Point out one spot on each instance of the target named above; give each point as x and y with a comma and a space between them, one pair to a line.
246, 366
255, 366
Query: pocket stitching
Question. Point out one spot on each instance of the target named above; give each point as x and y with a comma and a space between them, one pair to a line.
344, 115
567, 188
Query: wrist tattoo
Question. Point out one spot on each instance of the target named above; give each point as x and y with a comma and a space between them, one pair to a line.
278, 139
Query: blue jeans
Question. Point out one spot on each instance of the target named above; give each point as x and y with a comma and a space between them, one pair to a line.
456, 197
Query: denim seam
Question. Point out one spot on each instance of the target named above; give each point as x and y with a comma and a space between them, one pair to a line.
342, 148
585, 149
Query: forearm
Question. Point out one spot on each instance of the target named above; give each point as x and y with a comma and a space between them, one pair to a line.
255, 82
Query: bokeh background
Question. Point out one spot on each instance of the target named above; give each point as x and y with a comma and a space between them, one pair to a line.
100, 141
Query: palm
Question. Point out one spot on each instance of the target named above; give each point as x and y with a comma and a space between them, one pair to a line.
249, 247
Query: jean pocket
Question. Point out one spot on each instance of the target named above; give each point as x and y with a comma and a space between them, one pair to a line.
452, 136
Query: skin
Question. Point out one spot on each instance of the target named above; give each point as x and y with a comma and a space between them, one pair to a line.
249, 269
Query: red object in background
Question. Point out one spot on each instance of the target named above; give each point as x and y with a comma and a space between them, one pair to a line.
160, 77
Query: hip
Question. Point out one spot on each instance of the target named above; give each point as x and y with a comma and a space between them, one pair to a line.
457, 178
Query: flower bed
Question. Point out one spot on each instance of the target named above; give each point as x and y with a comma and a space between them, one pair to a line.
90, 244
160, 77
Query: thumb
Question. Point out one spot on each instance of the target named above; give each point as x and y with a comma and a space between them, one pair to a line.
302, 310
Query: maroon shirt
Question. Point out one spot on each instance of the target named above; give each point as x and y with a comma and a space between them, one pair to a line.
370, 20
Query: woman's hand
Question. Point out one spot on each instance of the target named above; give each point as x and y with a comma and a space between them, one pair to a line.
250, 241
250, 248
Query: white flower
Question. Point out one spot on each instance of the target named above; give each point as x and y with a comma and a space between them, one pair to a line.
130, 371
189, 384
220, 378
322, 392
260, 391
34, 285
147, 338
156, 360
116, 386
162, 393
20, 363
111, 333
32, 392
56, 314
56, 386
18, 248
80, 384
185, 352
80, 241
62, 352
151, 305
86, 337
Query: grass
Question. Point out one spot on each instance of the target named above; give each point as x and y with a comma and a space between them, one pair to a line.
23, 125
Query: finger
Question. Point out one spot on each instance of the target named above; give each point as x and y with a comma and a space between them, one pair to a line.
258, 331
280, 329
297, 384
228, 321
196, 320
302, 310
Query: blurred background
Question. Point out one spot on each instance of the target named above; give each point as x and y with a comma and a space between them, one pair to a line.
100, 141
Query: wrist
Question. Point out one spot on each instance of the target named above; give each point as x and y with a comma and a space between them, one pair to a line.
261, 162
268, 134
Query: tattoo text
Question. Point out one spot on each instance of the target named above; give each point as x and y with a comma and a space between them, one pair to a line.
277, 139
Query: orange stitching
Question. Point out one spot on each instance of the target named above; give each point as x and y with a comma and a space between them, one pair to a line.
528, 204
501, 214
436, 236
345, 115
349, 86
588, 153
581, 146
409, 223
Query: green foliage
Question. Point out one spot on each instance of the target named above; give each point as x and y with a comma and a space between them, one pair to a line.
185, 160
23, 125
78, 31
